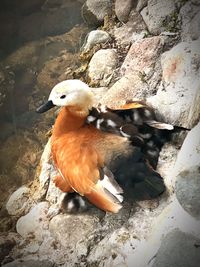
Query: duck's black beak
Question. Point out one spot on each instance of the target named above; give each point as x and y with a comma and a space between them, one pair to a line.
46, 106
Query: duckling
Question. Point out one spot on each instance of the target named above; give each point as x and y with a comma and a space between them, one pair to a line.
100, 152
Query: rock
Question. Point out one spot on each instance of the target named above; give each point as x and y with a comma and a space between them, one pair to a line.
189, 15
156, 13
141, 4
188, 190
102, 66
122, 11
42, 23
127, 88
95, 37
35, 223
99, 93
94, 11
171, 251
177, 99
142, 56
29, 263
127, 32
18, 201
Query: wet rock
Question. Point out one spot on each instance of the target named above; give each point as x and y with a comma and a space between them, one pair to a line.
102, 66
29, 263
94, 11
141, 4
189, 15
171, 251
17, 202
127, 32
35, 223
122, 11
96, 37
42, 23
188, 190
156, 13
177, 99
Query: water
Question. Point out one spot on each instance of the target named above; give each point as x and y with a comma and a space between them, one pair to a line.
40, 47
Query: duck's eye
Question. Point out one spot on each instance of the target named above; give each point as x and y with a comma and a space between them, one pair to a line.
63, 96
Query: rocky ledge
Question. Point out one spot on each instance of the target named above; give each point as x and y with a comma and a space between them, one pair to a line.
147, 50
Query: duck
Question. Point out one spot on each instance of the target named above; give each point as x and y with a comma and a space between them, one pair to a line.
99, 152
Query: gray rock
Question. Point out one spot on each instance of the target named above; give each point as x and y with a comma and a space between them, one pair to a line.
102, 66
156, 13
141, 4
29, 263
7, 242
177, 99
135, 25
94, 11
95, 37
122, 11
188, 190
17, 202
35, 223
178, 249
189, 15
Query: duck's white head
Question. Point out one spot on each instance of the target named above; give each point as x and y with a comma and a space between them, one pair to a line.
70, 93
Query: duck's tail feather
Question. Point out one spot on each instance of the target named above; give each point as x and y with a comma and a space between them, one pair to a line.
106, 194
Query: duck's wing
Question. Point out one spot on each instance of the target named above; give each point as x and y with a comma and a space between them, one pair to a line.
136, 121
82, 167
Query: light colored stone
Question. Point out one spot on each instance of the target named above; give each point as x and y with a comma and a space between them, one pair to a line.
35, 223
141, 4
122, 10
73, 232
156, 12
188, 190
178, 97
95, 37
171, 251
94, 11
17, 202
125, 34
142, 56
102, 66
189, 15
189, 154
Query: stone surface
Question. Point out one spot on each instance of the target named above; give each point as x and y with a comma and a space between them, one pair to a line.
188, 190
29, 263
171, 251
177, 99
156, 13
102, 66
35, 223
122, 11
189, 15
7, 242
95, 37
94, 11
141, 4
126, 33
18, 201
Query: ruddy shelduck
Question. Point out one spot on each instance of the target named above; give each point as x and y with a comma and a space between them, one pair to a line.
93, 148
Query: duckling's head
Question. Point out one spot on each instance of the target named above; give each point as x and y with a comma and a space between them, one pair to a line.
74, 94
